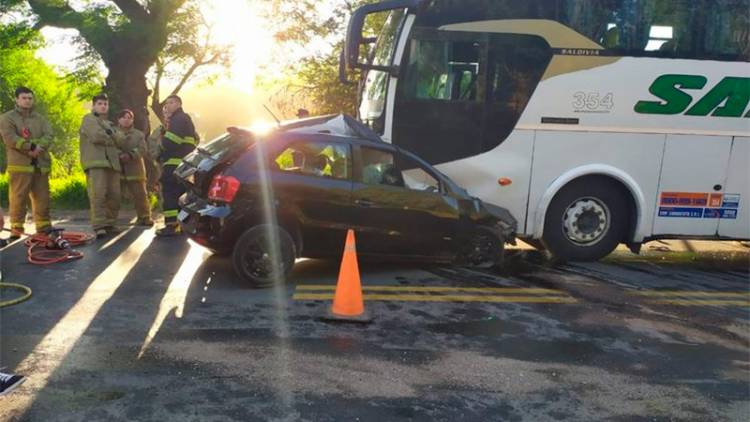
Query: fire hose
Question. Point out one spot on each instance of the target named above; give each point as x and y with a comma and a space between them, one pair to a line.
55, 247
48, 248
24, 289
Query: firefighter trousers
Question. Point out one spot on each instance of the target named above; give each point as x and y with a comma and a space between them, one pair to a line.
172, 190
104, 196
22, 186
137, 189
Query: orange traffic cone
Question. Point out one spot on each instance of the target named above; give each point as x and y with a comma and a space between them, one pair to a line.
348, 304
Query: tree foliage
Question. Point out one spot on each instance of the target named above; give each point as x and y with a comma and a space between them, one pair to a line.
190, 49
129, 37
57, 96
314, 80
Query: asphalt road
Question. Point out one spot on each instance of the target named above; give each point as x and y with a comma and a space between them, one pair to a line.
144, 329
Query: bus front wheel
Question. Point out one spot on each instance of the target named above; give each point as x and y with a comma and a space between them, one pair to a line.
586, 220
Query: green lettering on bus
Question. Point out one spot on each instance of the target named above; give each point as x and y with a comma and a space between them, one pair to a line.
669, 88
734, 93
729, 98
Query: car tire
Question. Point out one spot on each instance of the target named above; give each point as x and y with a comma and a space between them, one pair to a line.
252, 256
586, 220
482, 250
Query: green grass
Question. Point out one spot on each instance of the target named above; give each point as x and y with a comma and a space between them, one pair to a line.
69, 193
704, 260
65, 193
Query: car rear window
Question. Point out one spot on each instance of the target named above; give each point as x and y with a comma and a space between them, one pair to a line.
228, 145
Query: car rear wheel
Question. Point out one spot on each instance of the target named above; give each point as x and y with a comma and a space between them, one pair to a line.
586, 221
484, 249
264, 255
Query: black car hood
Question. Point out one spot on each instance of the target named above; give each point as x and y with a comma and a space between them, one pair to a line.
335, 124
500, 213
498, 218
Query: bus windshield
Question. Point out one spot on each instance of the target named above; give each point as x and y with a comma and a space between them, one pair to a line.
376, 82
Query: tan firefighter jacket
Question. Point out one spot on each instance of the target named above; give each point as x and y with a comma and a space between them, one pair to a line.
13, 126
100, 143
154, 142
134, 145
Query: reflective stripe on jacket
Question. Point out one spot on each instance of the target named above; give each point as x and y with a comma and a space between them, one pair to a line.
179, 140
98, 148
13, 124
134, 144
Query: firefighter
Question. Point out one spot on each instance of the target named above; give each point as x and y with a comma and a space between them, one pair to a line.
100, 159
153, 167
27, 136
133, 168
179, 140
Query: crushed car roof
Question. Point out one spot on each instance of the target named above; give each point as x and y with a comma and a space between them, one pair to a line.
336, 125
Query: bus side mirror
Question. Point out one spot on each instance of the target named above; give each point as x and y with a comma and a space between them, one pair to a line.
343, 76
355, 40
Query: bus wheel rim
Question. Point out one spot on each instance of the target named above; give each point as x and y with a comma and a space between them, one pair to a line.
586, 221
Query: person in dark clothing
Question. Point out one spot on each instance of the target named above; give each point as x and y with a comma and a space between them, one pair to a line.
180, 139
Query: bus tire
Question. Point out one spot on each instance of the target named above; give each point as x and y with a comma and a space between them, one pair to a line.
586, 220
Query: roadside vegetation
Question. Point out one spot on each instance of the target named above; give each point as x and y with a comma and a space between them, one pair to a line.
187, 56
61, 97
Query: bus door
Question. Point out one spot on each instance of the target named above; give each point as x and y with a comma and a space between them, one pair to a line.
439, 105
692, 185
462, 93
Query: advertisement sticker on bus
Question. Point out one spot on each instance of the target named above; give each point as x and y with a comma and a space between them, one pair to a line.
721, 213
681, 212
685, 199
715, 200
731, 201
699, 205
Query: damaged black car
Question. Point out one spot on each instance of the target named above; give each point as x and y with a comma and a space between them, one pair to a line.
295, 192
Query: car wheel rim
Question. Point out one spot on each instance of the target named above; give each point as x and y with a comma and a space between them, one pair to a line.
481, 251
586, 221
257, 259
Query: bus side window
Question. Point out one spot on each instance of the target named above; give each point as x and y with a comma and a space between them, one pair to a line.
516, 65
687, 29
727, 31
443, 70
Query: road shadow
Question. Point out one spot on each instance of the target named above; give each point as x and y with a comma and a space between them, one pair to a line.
56, 289
108, 347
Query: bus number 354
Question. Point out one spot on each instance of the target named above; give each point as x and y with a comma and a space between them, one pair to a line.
593, 102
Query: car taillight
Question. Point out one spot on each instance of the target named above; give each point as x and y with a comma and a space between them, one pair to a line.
223, 188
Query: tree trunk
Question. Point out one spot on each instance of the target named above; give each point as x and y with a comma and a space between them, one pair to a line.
126, 86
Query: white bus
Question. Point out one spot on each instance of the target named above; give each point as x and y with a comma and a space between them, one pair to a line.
595, 122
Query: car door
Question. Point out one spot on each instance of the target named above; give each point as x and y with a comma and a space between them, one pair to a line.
399, 207
312, 185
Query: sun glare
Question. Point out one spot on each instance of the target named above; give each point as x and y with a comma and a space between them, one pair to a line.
241, 25
262, 127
